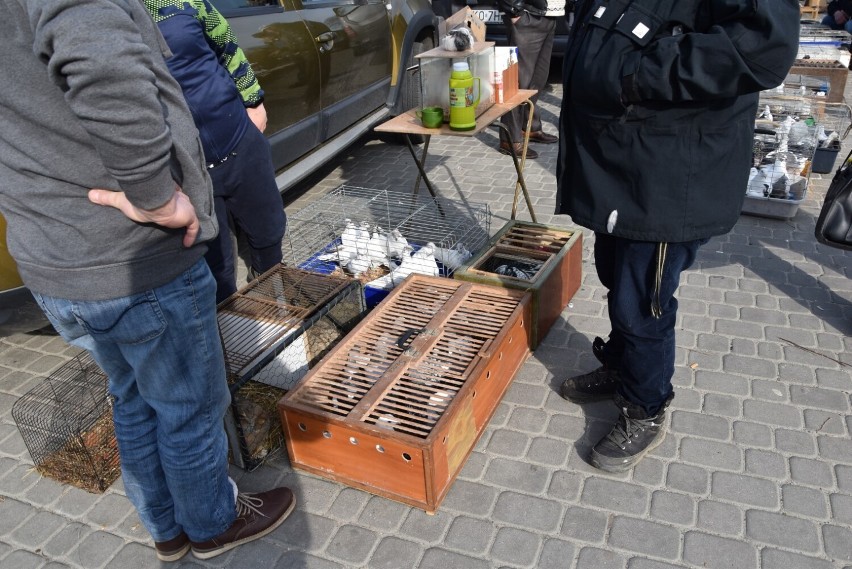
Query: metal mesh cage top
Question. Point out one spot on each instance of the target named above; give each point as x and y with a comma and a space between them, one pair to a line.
66, 424
456, 229
415, 394
275, 327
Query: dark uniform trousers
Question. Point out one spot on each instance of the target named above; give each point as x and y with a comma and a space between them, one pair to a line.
533, 35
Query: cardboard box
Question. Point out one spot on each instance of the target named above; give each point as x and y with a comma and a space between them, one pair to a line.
466, 17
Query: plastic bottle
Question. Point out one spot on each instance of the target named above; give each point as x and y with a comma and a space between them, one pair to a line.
462, 102
498, 86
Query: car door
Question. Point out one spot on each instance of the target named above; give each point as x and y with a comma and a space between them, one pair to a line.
286, 60
355, 55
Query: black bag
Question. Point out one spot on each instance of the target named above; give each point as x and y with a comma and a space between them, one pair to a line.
834, 226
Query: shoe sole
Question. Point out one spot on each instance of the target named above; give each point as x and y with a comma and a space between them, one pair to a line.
624, 467
174, 556
586, 398
219, 551
507, 153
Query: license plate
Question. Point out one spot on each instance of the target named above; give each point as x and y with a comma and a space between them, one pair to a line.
489, 16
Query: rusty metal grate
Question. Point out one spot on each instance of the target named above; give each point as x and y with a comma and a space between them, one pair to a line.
418, 368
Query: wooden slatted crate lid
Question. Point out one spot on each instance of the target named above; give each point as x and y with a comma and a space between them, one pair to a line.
419, 378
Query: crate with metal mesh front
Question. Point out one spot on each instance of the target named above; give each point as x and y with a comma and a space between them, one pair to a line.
273, 331
381, 236
66, 423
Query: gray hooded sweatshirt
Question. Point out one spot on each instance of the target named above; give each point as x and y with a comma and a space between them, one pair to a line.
88, 102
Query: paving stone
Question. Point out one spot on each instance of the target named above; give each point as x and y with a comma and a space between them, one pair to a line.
795, 442
37, 529
137, 556
566, 427
74, 502
687, 478
834, 379
780, 414
765, 463
615, 496
305, 561
565, 486
641, 563
802, 501
507, 443
838, 542
701, 425
515, 546
714, 454
547, 451
777, 559
641, 536
109, 511
771, 351
814, 397
17, 481
737, 329
745, 489
593, 558
724, 405
425, 527
810, 472
752, 435
314, 494
44, 492
841, 508
742, 347
436, 558
22, 559
470, 498
383, 515
528, 512
714, 552
672, 508
584, 525
721, 383
474, 466
527, 420
67, 539
352, 544
824, 423
649, 471
835, 448
784, 531
555, 554
393, 553
96, 549
305, 531
720, 518
470, 535
511, 474
348, 504
768, 390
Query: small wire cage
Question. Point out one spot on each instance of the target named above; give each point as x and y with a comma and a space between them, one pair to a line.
454, 230
66, 423
273, 331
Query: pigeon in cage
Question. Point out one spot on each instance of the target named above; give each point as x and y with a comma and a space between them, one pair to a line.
358, 264
422, 262
362, 237
377, 248
396, 244
348, 247
454, 257
766, 114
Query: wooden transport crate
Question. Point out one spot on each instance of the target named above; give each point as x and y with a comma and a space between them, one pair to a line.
833, 72
547, 261
396, 407
273, 330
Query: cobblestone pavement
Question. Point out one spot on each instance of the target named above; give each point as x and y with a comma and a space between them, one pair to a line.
756, 471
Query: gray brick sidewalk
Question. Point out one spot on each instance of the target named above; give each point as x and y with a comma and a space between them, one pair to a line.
756, 471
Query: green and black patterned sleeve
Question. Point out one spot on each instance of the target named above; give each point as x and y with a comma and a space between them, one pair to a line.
230, 55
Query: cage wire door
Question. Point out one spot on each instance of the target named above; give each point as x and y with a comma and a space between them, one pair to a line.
441, 234
273, 331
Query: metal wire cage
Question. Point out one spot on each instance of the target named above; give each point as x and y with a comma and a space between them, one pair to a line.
66, 423
273, 331
421, 219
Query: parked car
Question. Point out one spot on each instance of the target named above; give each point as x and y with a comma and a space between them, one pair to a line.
495, 30
331, 70
18, 309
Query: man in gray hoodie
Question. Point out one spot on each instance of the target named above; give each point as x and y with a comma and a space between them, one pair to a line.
108, 203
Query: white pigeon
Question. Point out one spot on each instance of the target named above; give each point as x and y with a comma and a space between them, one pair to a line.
362, 237
422, 262
454, 257
766, 114
377, 248
821, 135
396, 243
358, 264
349, 238
758, 185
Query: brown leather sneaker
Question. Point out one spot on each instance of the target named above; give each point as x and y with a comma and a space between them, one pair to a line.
504, 149
173, 549
257, 515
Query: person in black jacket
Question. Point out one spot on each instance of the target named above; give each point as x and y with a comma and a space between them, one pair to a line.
838, 15
657, 123
531, 28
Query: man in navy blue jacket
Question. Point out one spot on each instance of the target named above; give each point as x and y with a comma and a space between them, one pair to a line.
227, 104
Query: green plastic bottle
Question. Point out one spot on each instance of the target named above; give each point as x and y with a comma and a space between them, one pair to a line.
462, 102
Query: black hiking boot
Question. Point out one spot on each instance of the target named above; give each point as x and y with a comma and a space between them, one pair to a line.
596, 385
632, 437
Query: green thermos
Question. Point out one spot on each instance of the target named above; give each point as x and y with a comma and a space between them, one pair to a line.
462, 102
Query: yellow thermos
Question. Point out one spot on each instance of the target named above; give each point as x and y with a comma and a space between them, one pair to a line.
462, 102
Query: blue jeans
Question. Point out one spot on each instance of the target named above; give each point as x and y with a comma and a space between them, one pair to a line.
641, 346
828, 20
163, 356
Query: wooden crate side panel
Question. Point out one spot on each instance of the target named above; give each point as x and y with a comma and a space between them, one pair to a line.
558, 287
377, 464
